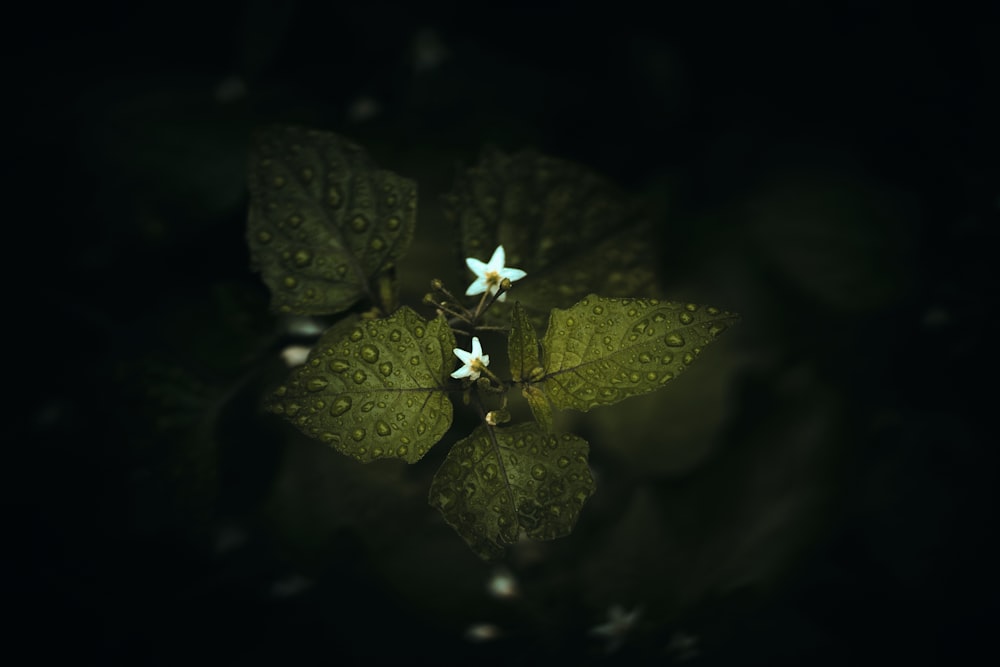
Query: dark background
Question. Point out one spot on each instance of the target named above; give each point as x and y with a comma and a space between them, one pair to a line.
827, 169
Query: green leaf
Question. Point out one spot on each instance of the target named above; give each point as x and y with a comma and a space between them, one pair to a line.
603, 350
526, 366
572, 231
500, 482
375, 390
324, 220
541, 410
522, 346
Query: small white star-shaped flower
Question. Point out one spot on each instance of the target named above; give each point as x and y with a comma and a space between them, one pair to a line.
618, 625
475, 361
489, 275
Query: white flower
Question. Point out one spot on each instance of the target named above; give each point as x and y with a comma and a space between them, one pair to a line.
490, 275
475, 361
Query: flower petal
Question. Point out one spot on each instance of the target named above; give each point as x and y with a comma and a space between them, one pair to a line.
462, 372
476, 266
478, 286
466, 357
512, 274
497, 260
485, 360
477, 349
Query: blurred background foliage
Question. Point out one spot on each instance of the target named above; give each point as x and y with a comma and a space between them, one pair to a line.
816, 489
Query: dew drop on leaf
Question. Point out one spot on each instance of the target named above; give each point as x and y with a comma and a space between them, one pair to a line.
317, 383
674, 340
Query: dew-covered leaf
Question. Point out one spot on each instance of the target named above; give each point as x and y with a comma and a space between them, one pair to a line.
541, 410
571, 230
501, 482
324, 221
522, 346
604, 350
526, 365
374, 390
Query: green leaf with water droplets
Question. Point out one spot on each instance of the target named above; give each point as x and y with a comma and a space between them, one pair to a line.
605, 350
324, 221
374, 390
501, 482
522, 345
570, 229
526, 365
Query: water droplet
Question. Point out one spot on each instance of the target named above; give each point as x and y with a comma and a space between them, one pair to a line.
369, 353
302, 258
392, 224
367, 406
489, 471
688, 358
674, 340
712, 310
359, 223
340, 405
634, 377
385, 368
666, 377
570, 322
358, 434
667, 358
418, 331
608, 394
598, 310
339, 366
691, 307
421, 427
318, 383
640, 326
659, 318
686, 318
651, 376
402, 450
538, 471
377, 243
716, 329
359, 376
414, 361
290, 282
264, 237
395, 335
356, 335
645, 358
562, 462
382, 428
294, 221
279, 181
